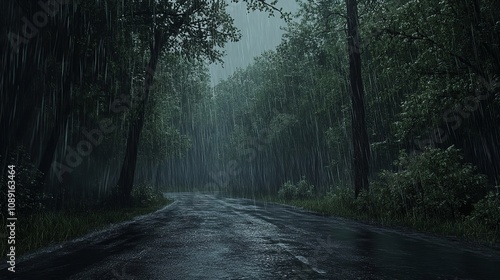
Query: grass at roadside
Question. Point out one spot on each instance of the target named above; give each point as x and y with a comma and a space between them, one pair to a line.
44, 228
463, 230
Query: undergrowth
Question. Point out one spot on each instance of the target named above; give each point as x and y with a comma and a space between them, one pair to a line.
432, 191
42, 228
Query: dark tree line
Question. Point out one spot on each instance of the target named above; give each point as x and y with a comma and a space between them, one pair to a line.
428, 79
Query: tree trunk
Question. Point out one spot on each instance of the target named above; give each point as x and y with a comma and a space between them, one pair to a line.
127, 174
71, 72
359, 135
59, 128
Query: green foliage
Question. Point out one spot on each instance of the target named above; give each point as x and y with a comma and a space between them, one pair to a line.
42, 228
301, 190
294, 99
342, 199
28, 189
487, 210
287, 191
340, 196
144, 195
445, 51
434, 184
341, 203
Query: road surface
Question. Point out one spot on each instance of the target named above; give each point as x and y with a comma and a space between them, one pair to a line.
202, 236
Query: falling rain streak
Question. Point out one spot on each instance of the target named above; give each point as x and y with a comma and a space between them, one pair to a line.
376, 110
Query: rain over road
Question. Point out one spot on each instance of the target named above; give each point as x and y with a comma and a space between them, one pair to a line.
204, 236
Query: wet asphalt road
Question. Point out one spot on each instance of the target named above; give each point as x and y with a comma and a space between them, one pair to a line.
203, 236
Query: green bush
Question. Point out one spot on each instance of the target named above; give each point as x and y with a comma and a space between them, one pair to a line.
28, 192
487, 210
304, 189
343, 198
144, 195
301, 190
287, 191
433, 184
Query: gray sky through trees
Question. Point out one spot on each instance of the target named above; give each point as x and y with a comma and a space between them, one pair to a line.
259, 33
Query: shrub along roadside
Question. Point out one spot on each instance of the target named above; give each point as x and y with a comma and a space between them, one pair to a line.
301, 190
464, 229
432, 192
43, 228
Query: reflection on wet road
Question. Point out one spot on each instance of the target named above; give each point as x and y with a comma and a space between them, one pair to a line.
203, 236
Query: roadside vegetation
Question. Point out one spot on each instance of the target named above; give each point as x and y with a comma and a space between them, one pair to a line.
38, 225
432, 192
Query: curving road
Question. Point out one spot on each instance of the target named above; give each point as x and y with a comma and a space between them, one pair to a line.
202, 236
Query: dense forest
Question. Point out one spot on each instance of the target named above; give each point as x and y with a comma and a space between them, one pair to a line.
390, 107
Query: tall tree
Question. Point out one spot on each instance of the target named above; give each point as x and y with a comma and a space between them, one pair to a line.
127, 173
200, 26
196, 29
360, 142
